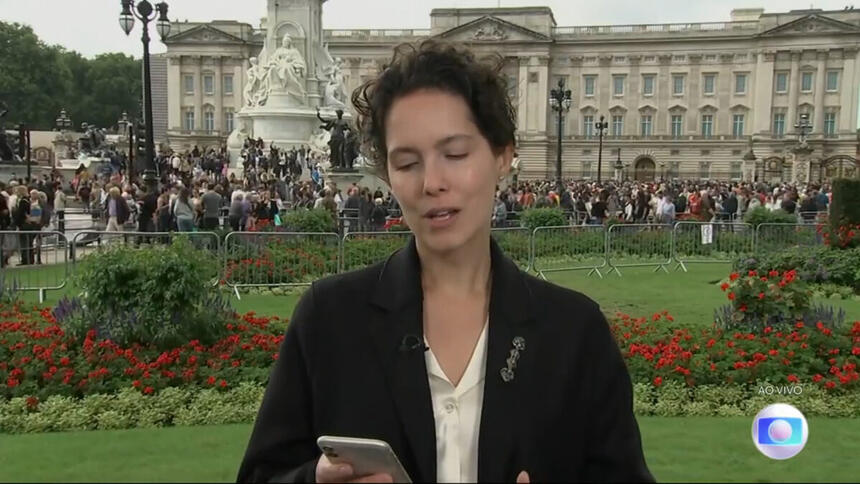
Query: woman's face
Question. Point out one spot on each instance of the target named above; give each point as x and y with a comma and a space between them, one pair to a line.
441, 169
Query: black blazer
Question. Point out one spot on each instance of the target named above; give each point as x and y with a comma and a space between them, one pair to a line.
343, 370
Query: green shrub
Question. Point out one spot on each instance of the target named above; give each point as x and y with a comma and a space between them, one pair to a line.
817, 265
515, 243
156, 294
845, 214
761, 215
543, 217
316, 220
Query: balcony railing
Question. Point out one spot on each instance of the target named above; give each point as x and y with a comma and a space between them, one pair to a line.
375, 34
673, 28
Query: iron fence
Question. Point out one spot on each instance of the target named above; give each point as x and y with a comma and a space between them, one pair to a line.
34, 260
362, 249
703, 242
771, 237
638, 245
569, 248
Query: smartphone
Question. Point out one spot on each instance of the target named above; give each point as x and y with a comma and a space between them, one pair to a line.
366, 456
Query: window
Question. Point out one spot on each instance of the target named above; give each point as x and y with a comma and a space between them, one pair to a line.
189, 119
617, 125
228, 120
708, 83
209, 84
740, 83
588, 126
674, 169
645, 125
806, 82
209, 121
228, 84
618, 85
832, 81
781, 82
648, 85
589, 85
677, 124
738, 125
778, 125
707, 125
830, 124
735, 170
586, 169
188, 82
677, 85
704, 169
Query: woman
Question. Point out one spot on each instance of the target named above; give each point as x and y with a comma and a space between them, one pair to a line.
184, 211
418, 355
237, 210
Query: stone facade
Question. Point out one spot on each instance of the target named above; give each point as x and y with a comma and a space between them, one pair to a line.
681, 100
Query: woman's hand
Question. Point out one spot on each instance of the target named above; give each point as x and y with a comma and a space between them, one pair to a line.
329, 472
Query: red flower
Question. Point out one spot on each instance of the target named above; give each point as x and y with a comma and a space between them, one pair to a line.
773, 273
734, 276
724, 286
658, 381
761, 295
64, 361
743, 308
210, 380
855, 351
32, 402
752, 274
148, 390
792, 378
817, 378
798, 325
731, 296
830, 385
136, 383
223, 384
12, 382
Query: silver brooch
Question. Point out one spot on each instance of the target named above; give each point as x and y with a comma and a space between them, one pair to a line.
508, 372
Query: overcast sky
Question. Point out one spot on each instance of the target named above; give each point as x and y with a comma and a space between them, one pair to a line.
91, 27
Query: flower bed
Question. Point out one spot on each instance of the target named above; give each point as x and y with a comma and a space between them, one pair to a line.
37, 359
808, 354
47, 382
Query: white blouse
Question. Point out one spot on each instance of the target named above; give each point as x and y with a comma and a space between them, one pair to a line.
457, 412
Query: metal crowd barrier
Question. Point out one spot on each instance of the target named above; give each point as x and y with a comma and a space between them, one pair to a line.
363, 249
569, 248
270, 259
516, 243
638, 245
704, 242
771, 237
34, 260
88, 241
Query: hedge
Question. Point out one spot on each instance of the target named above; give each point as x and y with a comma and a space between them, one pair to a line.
178, 406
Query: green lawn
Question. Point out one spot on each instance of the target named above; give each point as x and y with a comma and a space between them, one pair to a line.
690, 297
677, 449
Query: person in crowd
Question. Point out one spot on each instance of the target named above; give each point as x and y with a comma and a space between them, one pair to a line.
60, 202
237, 211
183, 210
599, 209
500, 212
378, 216
116, 209
211, 203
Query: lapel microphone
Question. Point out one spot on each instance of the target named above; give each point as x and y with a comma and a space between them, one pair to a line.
412, 342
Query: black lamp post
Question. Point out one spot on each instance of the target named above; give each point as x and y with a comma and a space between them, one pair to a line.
619, 166
559, 100
601, 127
145, 12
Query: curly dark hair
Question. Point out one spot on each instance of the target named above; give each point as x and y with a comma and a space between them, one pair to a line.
438, 65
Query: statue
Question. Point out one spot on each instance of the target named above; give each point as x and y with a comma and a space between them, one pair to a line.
287, 68
318, 143
257, 88
335, 92
236, 140
337, 128
350, 148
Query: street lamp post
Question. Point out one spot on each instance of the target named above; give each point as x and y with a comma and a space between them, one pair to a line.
601, 127
63, 125
559, 100
145, 12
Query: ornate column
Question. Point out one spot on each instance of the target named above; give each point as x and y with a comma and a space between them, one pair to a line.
219, 95
847, 89
793, 91
197, 61
820, 74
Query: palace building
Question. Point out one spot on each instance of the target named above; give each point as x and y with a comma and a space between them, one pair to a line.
692, 100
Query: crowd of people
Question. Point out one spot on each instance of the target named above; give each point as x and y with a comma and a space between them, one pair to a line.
197, 193
661, 202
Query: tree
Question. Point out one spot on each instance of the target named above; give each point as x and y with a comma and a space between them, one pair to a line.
32, 78
38, 80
